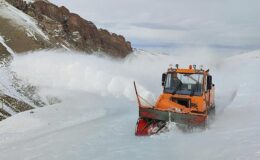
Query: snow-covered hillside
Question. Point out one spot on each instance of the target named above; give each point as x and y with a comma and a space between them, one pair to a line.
96, 118
21, 20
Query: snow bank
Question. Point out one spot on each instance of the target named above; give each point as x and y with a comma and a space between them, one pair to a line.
46, 120
20, 123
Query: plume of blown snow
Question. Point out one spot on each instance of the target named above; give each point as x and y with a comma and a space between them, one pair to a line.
57, 71
54, 71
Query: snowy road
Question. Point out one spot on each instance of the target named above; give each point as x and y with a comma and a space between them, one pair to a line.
98, 123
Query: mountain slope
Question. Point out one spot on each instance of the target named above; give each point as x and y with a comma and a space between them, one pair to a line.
18, 31
27, 26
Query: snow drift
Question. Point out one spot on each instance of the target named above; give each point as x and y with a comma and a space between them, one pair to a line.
98, 114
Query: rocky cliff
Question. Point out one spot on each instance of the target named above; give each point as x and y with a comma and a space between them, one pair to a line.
62, 29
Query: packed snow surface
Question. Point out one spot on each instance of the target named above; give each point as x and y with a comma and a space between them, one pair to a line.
97, 116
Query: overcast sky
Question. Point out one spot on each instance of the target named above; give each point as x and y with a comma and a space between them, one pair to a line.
170, 23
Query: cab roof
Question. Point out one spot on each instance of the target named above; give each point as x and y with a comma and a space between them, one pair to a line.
190, 70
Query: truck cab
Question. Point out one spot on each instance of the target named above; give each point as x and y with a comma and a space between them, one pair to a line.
187, 90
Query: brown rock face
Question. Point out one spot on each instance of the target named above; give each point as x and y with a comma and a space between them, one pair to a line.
20, 4
71, 30
50, 10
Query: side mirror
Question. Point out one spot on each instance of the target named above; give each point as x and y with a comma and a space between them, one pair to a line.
209, 82
164, 75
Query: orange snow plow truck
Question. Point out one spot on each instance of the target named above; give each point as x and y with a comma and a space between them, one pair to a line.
187, 99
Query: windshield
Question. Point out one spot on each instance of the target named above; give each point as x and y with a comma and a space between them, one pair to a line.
181, 83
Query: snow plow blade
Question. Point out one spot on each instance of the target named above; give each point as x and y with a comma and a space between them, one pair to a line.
153, 121
180, 118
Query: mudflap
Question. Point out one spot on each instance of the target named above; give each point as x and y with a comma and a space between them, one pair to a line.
147, 127
211, 115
